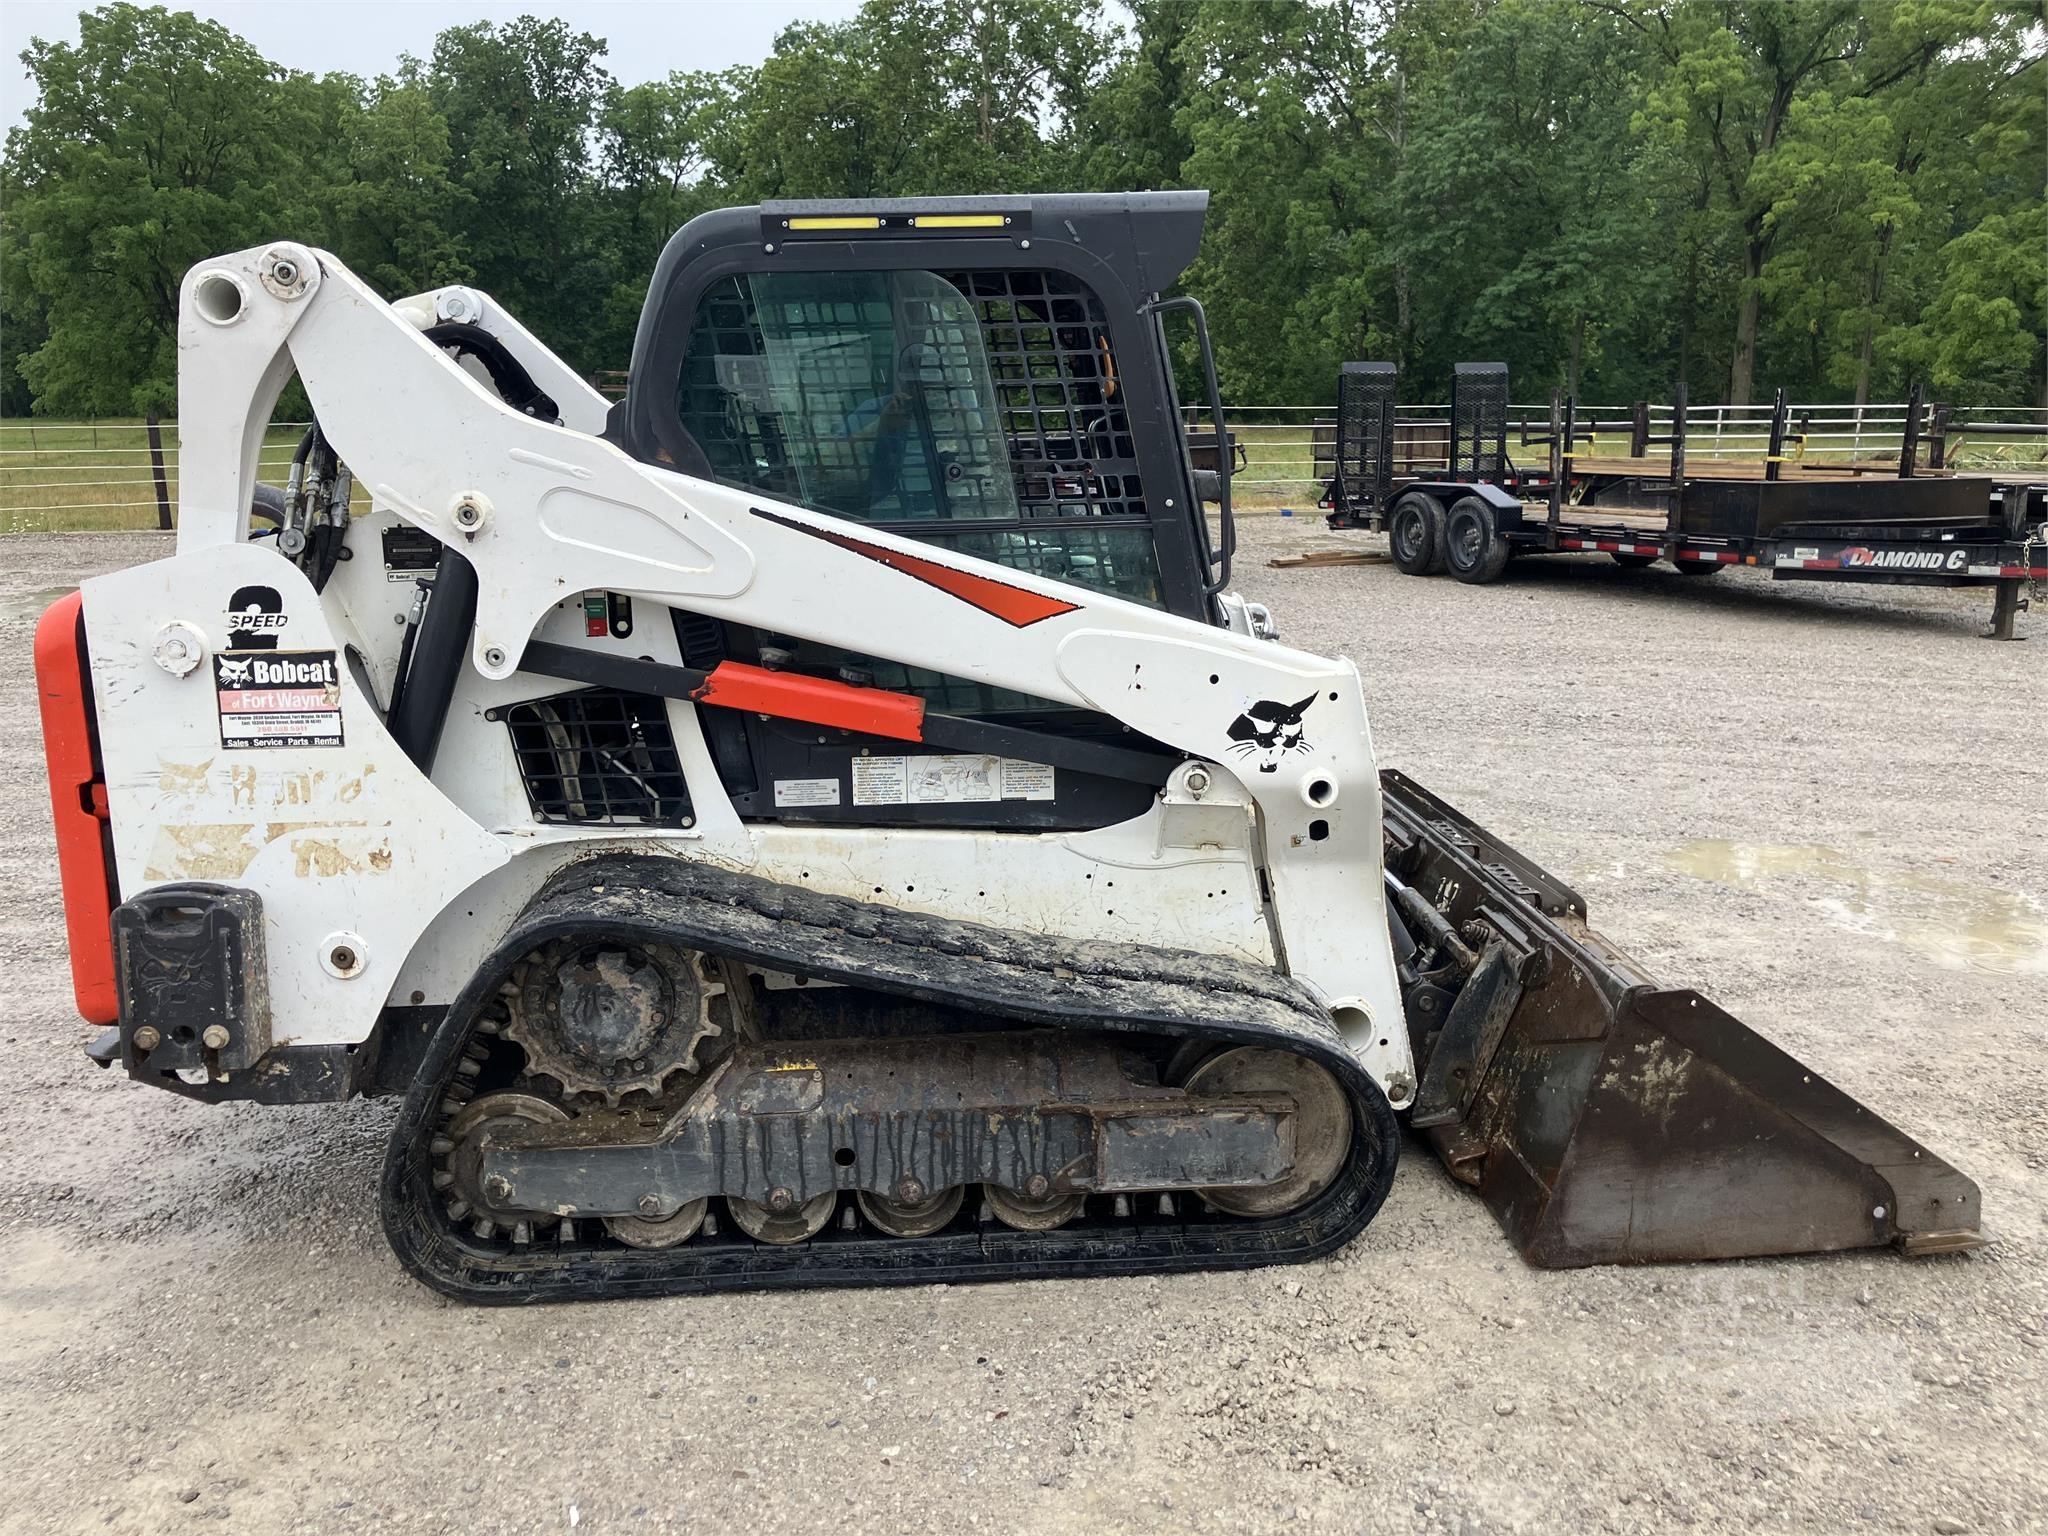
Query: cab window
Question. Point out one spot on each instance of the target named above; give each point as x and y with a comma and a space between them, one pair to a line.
975, 409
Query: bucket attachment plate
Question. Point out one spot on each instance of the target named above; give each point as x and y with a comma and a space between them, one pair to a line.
1606, 1120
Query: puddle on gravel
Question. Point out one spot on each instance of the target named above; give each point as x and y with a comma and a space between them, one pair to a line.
30, 605
1956, 925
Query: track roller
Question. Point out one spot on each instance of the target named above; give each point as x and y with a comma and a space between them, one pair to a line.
1029, 1214
639, 1232
911, 1218
793, 1224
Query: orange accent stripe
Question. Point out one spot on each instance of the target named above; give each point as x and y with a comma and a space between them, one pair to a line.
1013, 605
815, 700
78, 800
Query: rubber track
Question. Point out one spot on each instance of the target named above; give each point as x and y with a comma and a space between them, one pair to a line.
991, 979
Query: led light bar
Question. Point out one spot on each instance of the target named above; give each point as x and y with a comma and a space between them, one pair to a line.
897, 224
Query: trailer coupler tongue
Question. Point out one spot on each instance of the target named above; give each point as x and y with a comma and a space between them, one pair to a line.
1605, 1119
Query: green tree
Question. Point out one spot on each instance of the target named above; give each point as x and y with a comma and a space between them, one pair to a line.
1519, 159
1732, 73
156, 140
920, 97
397, 213
1840, 196
520, 102
658, 143
1285, 117
1128, 128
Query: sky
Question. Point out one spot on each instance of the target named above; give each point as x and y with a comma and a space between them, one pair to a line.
648, 38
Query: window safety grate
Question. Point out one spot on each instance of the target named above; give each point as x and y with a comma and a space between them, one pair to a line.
600, 757
1069, 433
977, 409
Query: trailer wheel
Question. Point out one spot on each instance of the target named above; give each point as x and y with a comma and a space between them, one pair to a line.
1474, 548
1698, 567
1415, 534
1631, 562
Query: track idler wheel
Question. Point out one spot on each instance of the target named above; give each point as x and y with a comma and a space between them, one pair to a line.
1322, 1125
458, 1147
782, 1223
911, 1218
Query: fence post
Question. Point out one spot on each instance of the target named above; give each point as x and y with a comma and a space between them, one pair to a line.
1556, 508
1909, 439
156, 468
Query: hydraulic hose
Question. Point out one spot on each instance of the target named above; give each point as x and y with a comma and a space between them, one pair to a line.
419, 707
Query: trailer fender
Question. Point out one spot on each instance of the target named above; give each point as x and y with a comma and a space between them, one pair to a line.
1507, 509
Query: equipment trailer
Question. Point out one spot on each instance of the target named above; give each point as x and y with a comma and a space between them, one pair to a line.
1915, 526
825, 820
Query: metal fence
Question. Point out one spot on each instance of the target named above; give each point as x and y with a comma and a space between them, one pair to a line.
1285, 451
86, 475
71, 476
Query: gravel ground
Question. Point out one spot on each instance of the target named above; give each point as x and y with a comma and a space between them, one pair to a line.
1829, 810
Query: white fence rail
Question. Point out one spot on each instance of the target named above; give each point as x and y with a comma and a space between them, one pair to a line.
85, 475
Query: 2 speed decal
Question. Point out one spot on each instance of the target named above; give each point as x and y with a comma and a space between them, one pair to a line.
255, 619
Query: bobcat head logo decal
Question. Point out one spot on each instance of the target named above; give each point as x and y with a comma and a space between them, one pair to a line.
1267, 731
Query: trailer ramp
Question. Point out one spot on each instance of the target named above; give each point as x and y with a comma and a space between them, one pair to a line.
1605, 1119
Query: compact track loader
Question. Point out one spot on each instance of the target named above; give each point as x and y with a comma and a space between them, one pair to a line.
824, 820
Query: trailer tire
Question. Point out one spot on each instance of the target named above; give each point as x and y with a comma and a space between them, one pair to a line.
1631, 562
1699, 567
1415, 534
1474, 548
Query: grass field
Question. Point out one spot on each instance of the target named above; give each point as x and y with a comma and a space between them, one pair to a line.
71, 476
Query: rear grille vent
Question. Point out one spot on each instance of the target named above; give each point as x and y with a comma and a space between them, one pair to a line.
600, 757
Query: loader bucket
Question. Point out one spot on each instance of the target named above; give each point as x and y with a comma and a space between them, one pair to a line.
1606, 1120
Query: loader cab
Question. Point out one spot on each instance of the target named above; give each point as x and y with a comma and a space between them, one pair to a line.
985, 374
980, 373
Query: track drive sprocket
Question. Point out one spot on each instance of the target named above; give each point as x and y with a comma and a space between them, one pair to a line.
610, 1019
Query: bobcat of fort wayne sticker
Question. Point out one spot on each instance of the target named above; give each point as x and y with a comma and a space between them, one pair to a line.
278, 698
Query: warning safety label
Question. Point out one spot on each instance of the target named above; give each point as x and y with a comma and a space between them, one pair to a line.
948, 779
278, 698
